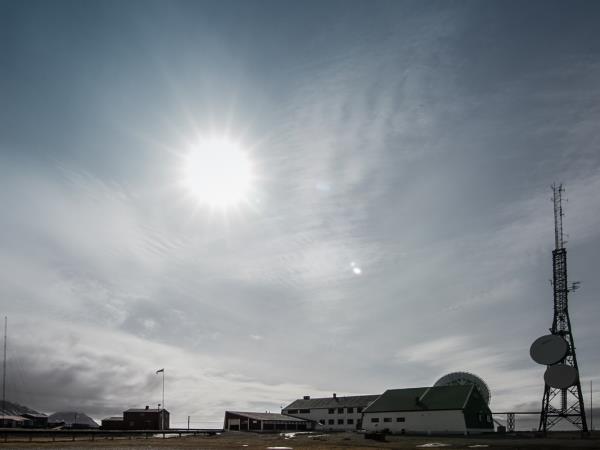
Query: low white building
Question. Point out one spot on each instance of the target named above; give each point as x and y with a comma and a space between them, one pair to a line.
331, 413
438, 409
263, 422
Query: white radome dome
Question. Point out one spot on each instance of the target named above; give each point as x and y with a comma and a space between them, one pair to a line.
462, 378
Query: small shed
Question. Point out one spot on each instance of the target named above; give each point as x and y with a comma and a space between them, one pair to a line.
264, 422
113, 423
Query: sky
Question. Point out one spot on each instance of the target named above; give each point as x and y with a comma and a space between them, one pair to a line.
399, 225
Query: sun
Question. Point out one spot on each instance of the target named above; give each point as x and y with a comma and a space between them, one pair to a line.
217, 172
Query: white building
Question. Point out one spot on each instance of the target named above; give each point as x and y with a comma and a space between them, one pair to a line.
438, 409
331, 413
263, 422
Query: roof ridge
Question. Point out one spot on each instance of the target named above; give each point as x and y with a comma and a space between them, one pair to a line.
338, 396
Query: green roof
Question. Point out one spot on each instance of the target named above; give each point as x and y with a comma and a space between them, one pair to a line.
422, 399
332, 402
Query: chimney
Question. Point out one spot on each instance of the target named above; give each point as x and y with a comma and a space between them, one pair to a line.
147, 407
334, 395
307, 397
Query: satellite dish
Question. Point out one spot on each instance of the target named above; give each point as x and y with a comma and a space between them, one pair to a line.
561, 376
462, 378
549, 349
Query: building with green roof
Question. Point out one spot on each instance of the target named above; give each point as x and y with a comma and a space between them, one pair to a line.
335, 413
437, 409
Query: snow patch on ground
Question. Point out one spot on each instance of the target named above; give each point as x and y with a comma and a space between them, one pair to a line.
293, 435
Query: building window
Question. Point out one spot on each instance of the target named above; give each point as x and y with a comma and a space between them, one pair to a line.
349, 410
400, 419
322, 422
331, 411
305, 411
340, 421
489, 418
340, 410
359, 409
387, 419
331, 421
350, 421
292, 411
374, 419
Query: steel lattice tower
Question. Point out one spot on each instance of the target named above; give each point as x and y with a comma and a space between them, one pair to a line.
562, 404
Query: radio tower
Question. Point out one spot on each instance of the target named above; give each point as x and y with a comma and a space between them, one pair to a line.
562, 404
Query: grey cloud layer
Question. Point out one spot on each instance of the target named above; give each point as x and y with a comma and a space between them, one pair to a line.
419, 145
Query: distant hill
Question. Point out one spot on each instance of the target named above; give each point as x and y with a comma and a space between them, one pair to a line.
72, 417
14, 409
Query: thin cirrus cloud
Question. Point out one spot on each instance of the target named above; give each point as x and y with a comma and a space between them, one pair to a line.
401, 226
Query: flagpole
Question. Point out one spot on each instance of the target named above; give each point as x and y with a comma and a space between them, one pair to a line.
4, 373
161, 411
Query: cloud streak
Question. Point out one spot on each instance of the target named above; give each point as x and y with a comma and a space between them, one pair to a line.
416, 142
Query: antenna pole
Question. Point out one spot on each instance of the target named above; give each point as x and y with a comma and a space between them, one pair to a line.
558, 215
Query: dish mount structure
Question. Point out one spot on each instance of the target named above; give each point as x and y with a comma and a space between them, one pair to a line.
563, 399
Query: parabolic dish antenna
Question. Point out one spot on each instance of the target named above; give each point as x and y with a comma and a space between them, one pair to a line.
462, 378
549, 349
561, 376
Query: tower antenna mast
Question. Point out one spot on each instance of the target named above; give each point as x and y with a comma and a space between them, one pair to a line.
562, 403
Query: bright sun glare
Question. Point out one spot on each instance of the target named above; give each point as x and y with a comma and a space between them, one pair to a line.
218, 173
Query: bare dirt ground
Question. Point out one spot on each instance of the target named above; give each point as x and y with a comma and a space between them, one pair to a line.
249, 441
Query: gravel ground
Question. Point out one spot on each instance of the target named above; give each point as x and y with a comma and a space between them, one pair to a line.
243, 441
